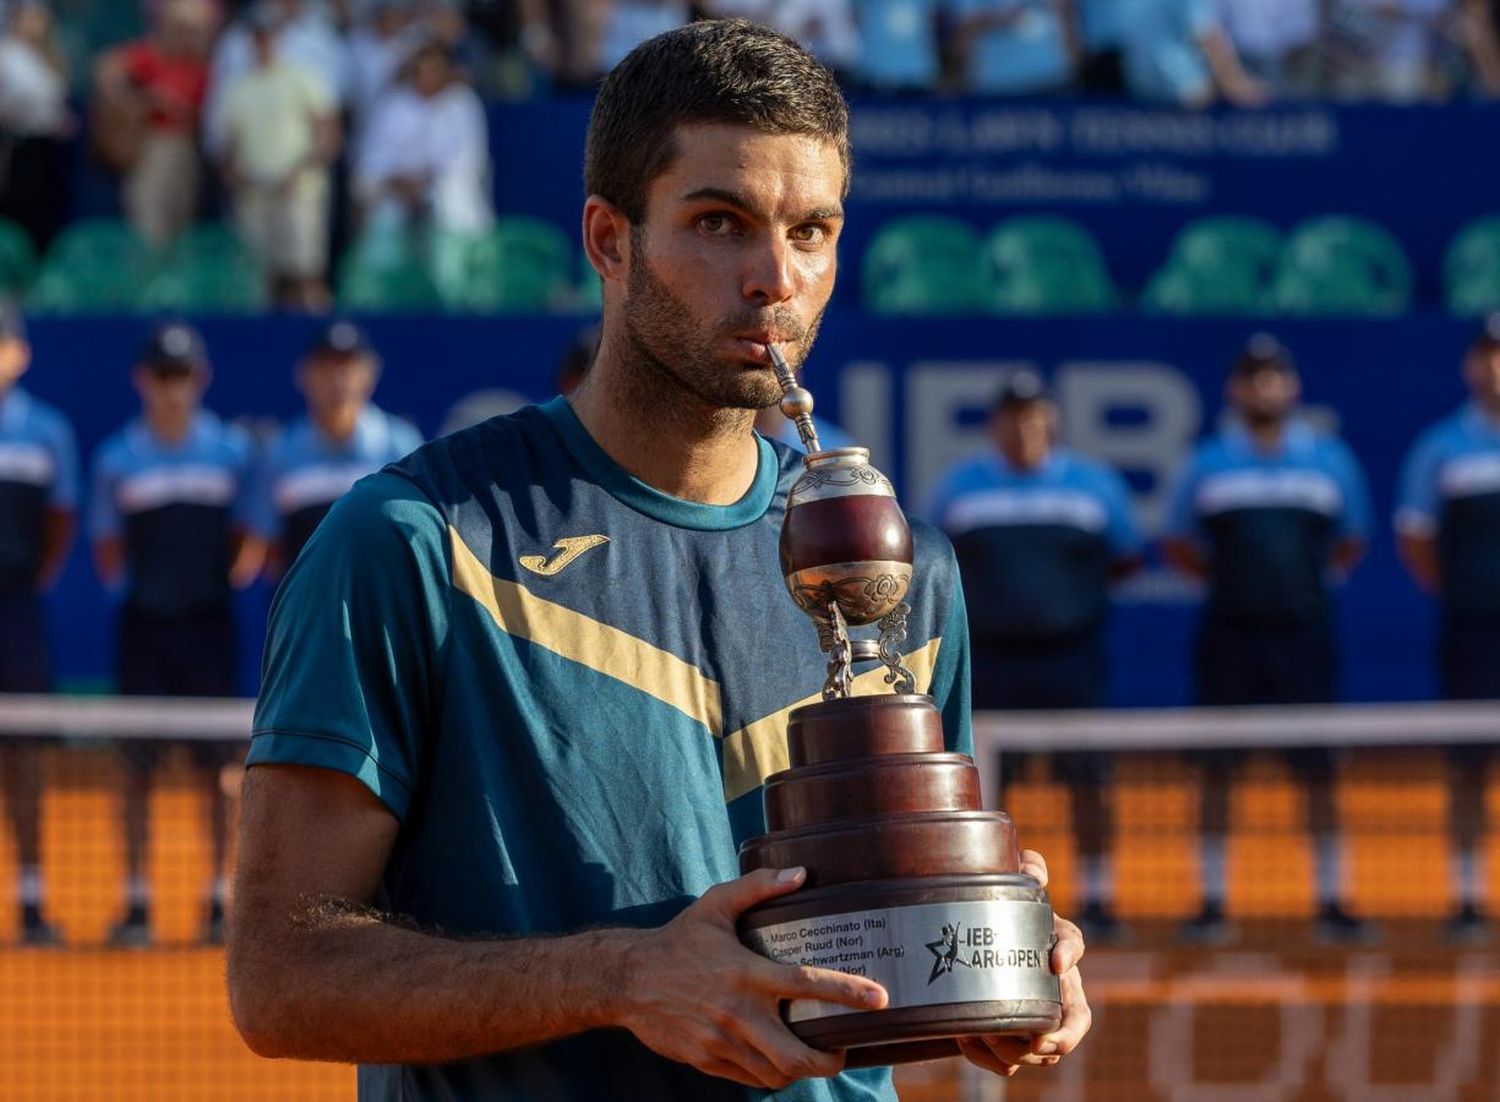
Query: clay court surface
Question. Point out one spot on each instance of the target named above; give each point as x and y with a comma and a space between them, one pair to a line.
1408, 1021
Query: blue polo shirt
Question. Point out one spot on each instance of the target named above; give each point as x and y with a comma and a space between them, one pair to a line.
175, 506
898, 43
1450, 492
1029, 54
1269, 520
38, 475
569, 688
305, 472
1034, 547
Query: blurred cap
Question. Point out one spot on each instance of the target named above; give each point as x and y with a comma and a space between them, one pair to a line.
1262, 352
1488, 338
341, 338
12, 322
1021, 388
173, 347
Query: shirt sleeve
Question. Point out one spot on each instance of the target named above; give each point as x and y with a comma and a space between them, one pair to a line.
950, 688
1120, 531
1354, 523
1417, 491
104, 512
355, 643
1182, 517
64, 492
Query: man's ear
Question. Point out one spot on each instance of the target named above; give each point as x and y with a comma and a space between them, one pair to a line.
606, 238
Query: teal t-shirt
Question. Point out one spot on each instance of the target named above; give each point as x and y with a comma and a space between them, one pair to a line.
568, 688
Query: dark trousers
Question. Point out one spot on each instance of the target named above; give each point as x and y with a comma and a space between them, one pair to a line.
191, 655
23, 644
1046, 675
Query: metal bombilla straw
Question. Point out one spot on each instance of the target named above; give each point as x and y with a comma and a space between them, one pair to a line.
796, 401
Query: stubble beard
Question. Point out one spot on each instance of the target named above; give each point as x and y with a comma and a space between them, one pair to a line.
668, 358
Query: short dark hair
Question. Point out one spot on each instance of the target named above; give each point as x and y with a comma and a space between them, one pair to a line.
714, 71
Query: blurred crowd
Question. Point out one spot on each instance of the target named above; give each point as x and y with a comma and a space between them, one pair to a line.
314, 122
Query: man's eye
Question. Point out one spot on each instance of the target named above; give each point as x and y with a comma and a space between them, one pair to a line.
716, 223
810, 234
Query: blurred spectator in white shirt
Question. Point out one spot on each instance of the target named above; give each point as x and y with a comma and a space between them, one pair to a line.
36, 122
1014, 47
306, 35
899, 44
628, 23
424, 165
281, 134
1388, 49
1276, 40
1176, 51
826, 27
378, 46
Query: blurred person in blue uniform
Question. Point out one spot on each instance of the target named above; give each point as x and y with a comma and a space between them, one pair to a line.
1448, 533
1041, 533
342, 438
1176, 51
167, 519
1268, 513
38, 508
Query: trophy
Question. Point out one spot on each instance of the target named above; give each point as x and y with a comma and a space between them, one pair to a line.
910, 882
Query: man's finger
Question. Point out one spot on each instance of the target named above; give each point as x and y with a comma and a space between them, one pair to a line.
732, 898
978, 1053
1068, 950
786, 981
781, 1048
1076, 1019
1033, 864
727, 1069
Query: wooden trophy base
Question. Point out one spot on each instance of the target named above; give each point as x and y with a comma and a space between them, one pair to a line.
909, 882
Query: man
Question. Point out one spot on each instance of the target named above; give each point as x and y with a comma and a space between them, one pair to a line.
1264, 513
1041, 532
38, 506
167, 520
1015, 47
1448, 533
342, 439
524, 687
281, 134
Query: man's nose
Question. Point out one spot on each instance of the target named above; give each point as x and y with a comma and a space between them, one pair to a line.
771, 277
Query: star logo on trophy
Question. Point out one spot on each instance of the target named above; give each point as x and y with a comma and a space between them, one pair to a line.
945, 953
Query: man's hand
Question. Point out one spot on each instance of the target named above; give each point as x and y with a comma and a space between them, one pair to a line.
1007, 1055
694, 994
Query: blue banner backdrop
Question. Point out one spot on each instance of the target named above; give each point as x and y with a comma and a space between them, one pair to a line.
1134, 392
1134, 175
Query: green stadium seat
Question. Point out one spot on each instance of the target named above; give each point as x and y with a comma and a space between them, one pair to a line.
1227, 243
17, 258
1339, 265
1471, 268
1040, 264
924, 264
400, 287
522, 264
207, 268
1179, 290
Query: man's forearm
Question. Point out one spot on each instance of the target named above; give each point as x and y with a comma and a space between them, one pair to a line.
347, 985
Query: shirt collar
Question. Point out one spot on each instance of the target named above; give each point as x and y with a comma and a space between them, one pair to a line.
367, 435
14, 407
1296, 440
141, 435
676, 511
1479, 423
1053, 465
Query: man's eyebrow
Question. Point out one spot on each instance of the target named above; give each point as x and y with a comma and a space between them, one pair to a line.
735, 199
